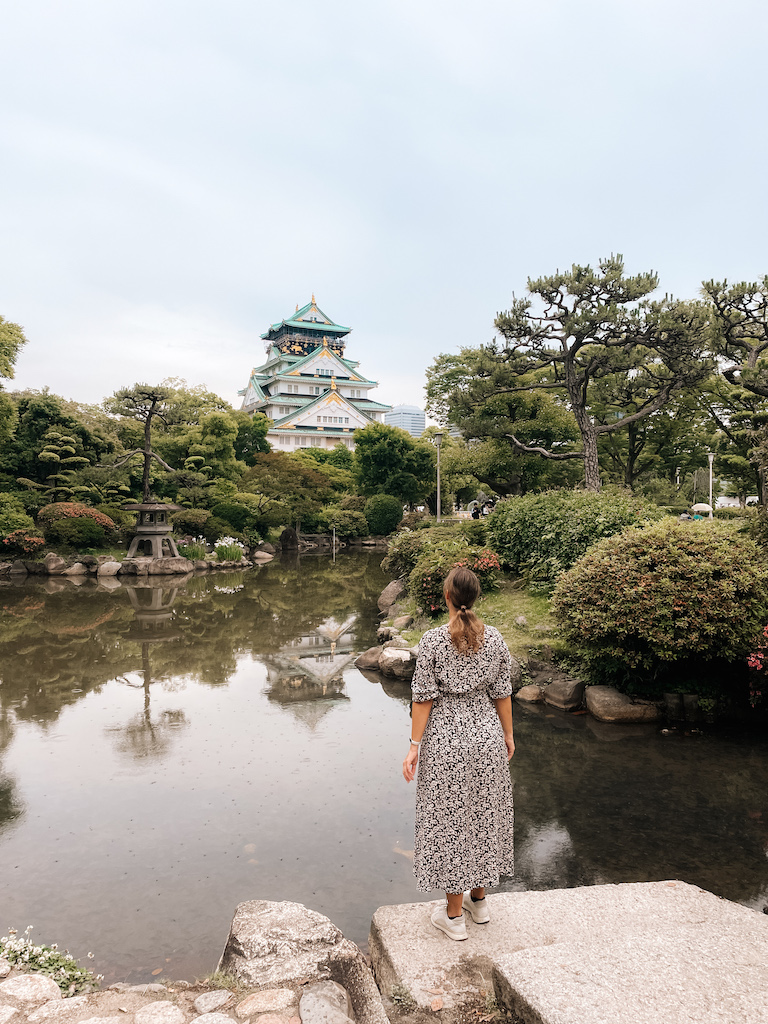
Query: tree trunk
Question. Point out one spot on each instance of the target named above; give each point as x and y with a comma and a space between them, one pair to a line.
591, 465
147, 455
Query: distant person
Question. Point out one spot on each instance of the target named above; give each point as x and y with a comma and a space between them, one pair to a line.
462, 741
476, 512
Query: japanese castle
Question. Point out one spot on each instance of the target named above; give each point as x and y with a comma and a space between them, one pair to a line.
313, 395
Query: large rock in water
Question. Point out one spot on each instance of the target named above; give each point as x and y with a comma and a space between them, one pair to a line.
390, 594
54, 564
530, 694
608, 705
397, 663
566, 694
369, 659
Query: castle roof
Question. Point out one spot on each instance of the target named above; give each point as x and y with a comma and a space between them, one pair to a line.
308, 318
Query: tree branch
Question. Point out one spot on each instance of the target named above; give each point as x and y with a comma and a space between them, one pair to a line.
553, 456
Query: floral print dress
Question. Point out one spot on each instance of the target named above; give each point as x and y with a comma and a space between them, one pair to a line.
464, 814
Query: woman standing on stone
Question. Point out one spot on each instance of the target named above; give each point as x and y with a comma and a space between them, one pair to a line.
461, 739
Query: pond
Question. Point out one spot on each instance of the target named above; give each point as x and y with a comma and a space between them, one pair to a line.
168, 751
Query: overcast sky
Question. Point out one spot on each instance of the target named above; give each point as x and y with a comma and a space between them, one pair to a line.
177, 174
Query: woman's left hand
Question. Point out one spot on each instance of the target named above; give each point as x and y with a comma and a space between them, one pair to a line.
409, 764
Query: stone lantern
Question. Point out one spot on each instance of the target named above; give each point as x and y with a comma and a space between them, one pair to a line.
152, 538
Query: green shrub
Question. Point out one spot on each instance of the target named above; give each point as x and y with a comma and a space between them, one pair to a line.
21, 544
674, 606
13, 515
383, 512
475, 530
346, 522
62, 510
82, 532
425, 582
121, 517
353, 503
542, 535
416, 520
238, 516
214, 528
403, 552
190, 521
732, 512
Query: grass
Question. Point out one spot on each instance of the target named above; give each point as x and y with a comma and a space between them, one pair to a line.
218, 979
499, 608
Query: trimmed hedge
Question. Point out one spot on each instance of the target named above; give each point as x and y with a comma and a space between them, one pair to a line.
540, 536
72, 510
346, 522
383, 512
676, 606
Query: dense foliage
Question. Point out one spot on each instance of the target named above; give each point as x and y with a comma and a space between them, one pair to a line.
383, 512
542, 535
673, 606
72, 510
21, 543
425, 582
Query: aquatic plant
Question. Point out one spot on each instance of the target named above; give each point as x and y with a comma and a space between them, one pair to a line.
229, 550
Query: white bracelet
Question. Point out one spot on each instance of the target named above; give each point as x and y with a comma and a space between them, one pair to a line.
415, 744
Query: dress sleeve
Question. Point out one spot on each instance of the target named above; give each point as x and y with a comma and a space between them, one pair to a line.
424, 682
501, 685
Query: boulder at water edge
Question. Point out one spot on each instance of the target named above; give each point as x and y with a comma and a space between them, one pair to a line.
530, 694
390, 594
608, 705
109, 568
54, 564
369, 659
397, 663
566, 694
272, 944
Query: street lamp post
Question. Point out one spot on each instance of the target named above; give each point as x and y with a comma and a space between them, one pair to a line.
711, 457
438, 442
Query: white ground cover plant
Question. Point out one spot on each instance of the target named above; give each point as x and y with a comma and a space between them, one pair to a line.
21, 952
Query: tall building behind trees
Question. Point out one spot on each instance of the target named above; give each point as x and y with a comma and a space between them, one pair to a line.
314, 396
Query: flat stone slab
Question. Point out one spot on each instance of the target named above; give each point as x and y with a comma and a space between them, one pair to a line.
682, 976
552, 955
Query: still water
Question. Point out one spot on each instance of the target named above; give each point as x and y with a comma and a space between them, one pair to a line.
168, 751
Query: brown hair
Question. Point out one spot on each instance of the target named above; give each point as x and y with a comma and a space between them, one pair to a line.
462, 588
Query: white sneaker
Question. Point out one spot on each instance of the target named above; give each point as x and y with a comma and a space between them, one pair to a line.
477, 908
454, 928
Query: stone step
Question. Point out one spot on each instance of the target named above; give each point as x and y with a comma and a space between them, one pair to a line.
636, 953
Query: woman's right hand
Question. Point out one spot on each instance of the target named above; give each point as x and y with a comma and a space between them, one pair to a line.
409, 764
509, 742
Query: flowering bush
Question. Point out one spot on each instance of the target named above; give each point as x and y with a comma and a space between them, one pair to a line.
61, 967
425, 583
21, 543
72, 510
406, 546
229, 550
194, 550
675, 605
757, 661
542, 535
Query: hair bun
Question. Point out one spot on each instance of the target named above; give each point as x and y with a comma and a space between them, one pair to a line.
463, 607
